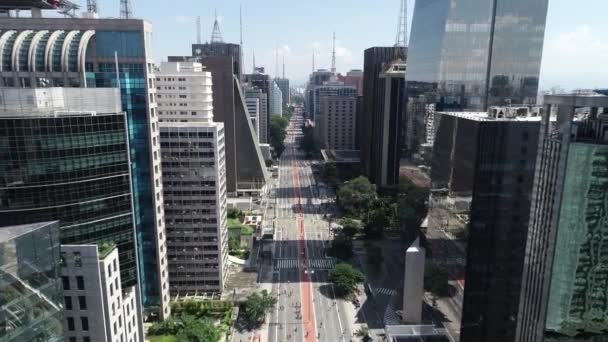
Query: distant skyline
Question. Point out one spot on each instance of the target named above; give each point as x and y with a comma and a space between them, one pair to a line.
575, 51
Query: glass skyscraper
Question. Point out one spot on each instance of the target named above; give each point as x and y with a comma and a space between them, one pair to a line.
84, 53
468, 55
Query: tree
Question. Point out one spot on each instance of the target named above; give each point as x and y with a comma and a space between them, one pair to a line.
341, 248
355, 196
345, 279
363, 333
376, 221
258, 305
436, 280
307, 142
330, 172
350, 227
278, 132
197, 330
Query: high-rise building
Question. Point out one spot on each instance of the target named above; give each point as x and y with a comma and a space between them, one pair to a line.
353, 78
30, 283
335, 122
283, 84
261, 81
256, 94
194, 176
565, 274
74, 52
317, 78
96, 307
372, 117
482, 172
275, 100
219, 49
472, 54
253, 107
246, 172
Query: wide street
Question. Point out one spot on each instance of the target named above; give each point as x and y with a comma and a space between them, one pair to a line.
306, 310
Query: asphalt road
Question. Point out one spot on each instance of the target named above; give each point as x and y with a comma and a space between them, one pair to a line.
306, 310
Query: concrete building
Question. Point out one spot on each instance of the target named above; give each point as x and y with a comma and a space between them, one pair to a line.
221, 49
372, 120
75, 52
335, 123
413, 284
564, 280
283, 84
275, 100
253, 107
65, 156
255, 93
482, 173
30, 283
194, 175
353, 78
317, 78
246, 173
97, 308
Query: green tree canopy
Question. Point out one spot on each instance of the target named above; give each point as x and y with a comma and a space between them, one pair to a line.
350, 227
258, 305
436, 280
278, 132
356, 195
345, 279
341, 248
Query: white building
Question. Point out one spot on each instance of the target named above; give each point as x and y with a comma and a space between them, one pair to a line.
96, 308
257, 93
253, 107
194, 179
275, 100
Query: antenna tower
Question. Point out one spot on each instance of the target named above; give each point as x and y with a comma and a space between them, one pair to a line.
253, 52
276, 63
333, 56
92, 6
198, 30
125, 9
313, 60
401, 39
283, 66
241, 51
216, 35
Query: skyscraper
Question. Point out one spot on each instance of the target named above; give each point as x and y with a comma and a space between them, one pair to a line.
565, 282
275, 100
472, 54
194, 176
70, 52
371, 120
283, 84
256, 94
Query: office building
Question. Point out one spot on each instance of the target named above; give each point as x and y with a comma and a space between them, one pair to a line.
194, 176
317, 78
481, 176
96, 307
275, 100
564, 283
372, 118
253, 107
283, 84
71, 52
332, 87
335, 123
30, 283
256, 94
470, 55
261, 81
353, 78
220, 49
246, 173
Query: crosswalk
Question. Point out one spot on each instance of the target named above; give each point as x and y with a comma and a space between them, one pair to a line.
384, 291
310, 263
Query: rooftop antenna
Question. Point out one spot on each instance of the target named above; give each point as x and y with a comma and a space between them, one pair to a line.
199, 40
276, 63
125, 9
283, 66
313, 60
333, 56
401, 39
92, 6
241, 36
253, 51
216, 35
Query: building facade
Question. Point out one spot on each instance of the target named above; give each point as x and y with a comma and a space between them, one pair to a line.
30, 283
564, 282
472, 54
353, 78
482, 173
371, 118
69, 52
219, 49
253, 107
97, 308
335, 123
275, 100
256, 94
283, 84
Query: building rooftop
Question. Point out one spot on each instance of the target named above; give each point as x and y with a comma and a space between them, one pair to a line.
11, 232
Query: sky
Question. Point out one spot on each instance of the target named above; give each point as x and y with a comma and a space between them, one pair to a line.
575, 50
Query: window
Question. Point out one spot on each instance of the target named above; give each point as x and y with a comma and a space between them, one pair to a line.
68, 302
66, 282
86, 339
72, 339
70, 323
80, 282
109, 270
77, 259
82, 302
84, 321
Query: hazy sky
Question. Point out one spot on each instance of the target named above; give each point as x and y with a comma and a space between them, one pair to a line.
575, 51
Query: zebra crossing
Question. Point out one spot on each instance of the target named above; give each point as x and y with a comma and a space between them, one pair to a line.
384, 291
283, 264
